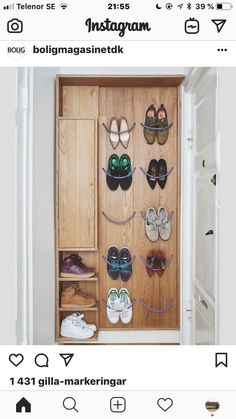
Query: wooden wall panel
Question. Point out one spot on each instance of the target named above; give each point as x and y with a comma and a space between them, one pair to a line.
80, 101
77, 184
156, 292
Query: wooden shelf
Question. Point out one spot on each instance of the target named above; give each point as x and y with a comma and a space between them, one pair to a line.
62, 339
79, 309
135, 80
92, 279
77, 249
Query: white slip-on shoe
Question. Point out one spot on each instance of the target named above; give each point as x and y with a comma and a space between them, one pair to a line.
164, 224
73, 329
114, 132
78, 317
113, 305
126, 306
151, 225
124, 132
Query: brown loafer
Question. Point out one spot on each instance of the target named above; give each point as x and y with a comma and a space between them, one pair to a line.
162, 122
150, 121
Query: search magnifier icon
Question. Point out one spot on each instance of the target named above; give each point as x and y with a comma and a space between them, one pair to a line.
69, 403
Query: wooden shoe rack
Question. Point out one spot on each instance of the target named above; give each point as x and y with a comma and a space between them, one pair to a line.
84, 103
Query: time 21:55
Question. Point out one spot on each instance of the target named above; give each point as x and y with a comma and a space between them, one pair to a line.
118, 6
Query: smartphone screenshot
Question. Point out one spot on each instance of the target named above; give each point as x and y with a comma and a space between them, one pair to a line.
117, 219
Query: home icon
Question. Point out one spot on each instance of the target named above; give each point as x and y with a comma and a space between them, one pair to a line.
23, 406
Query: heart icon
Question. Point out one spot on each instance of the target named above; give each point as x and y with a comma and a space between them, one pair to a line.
165, 404
16, 359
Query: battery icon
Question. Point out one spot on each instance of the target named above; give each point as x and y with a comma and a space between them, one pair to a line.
224, 6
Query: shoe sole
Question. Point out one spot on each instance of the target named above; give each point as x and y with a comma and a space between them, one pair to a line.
77, 307
76, 337
65, 275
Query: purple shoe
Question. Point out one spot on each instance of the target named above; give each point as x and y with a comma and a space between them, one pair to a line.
73, 267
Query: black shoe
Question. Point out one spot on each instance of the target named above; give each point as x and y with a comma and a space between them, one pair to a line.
113, 262
162, 171
152, 171
125, 265
125, 172
113, 171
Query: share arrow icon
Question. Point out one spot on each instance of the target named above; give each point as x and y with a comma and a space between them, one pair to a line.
67, 358
219, 23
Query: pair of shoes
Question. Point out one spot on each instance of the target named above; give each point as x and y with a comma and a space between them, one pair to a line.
119, 306
73, 267
157, 173
73, 326
119, 263
119, 172
156, 260
73, 297
157, 224
119, 132
157, 121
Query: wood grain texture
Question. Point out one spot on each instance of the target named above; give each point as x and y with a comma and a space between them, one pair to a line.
156, 292
78, 102
77, 184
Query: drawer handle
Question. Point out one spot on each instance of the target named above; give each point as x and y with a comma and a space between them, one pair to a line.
168, 262
118, 222
157, 177
156, 129
158, 310
203, 302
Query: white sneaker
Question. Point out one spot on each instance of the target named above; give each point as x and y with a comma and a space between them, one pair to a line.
73, 329
78, 318
113, 303
126, 306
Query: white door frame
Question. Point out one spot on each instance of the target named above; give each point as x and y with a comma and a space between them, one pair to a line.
24, 126
194, 77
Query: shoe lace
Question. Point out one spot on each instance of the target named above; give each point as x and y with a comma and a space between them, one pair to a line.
115, 264
154, 224
123, 267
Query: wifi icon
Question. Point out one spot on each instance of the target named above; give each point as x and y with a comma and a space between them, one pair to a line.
63, 5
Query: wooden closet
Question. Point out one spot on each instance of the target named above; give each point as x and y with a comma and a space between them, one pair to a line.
83, 148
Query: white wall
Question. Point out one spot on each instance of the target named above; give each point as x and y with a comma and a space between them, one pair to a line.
8, 239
